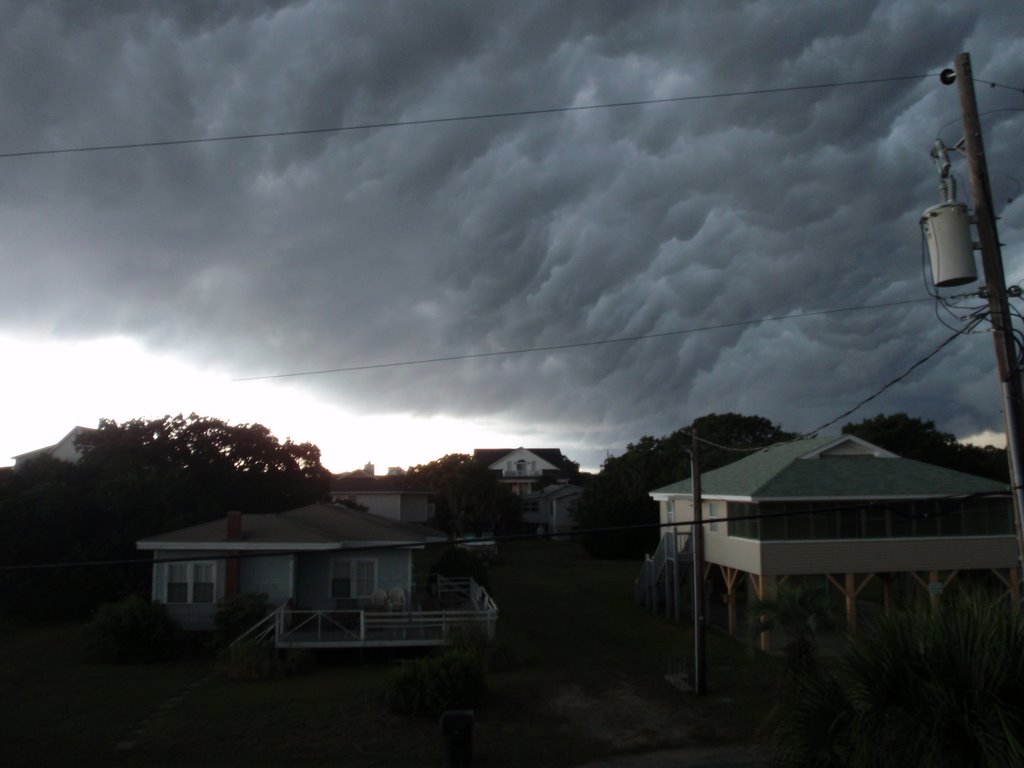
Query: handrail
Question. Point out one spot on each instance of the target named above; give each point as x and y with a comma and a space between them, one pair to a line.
286, 624
263, 628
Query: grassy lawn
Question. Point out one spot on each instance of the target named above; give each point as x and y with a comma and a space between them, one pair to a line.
586, 678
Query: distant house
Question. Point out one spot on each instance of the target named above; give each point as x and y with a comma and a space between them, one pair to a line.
553, 508
525, 469
64, 449
390, 496
844, 511
337, 577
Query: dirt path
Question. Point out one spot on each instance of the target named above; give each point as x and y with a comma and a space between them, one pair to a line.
686, 757
628, 721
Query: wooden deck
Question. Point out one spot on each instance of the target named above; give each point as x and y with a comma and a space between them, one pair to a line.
464, 603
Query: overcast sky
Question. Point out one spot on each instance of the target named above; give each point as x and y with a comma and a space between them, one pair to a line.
213, 261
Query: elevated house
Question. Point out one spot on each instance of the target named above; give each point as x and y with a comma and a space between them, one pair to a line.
525, 469
336, 577
841, 511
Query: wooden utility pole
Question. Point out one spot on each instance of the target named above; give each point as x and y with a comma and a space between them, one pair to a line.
697, 532
995, 284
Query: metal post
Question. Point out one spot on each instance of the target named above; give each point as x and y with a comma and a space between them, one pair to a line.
995, 283
697, 532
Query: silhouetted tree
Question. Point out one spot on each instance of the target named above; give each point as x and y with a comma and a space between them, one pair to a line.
913, 438
137, 479
618, 495
468, 498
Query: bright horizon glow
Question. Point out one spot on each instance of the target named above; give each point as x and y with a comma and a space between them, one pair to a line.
985, 438
52, 386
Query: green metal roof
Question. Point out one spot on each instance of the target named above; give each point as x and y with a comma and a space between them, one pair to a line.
781, 471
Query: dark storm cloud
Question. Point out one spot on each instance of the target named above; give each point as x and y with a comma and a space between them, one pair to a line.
299, 253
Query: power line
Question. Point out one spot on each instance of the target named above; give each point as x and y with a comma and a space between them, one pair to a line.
901, 377
508, 537
454, 119
993, 84
577, 345
752, 449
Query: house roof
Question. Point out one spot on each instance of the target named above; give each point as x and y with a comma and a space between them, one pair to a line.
831, 468
67, 440
353, 483
490, 456
316, 526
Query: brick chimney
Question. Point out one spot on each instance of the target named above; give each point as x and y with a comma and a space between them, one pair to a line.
234, 525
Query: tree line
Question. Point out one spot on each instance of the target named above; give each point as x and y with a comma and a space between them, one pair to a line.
133, 480
143, 477
148, 476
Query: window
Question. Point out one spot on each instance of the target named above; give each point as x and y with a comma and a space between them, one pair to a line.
177, 582
743, 529
352, 578
713, 513
202, 583
670, 511
191, 583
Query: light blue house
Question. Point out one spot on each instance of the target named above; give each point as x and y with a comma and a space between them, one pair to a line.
335, 576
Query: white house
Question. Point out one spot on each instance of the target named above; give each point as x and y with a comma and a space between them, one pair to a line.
65, 449
552, 508
524, 469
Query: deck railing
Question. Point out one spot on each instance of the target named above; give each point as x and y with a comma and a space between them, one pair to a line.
661, 574
463, 603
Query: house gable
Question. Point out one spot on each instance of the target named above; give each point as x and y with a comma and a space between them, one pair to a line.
537, 460
64, 449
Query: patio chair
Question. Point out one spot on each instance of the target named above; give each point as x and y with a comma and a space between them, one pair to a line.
379, 599
396, 596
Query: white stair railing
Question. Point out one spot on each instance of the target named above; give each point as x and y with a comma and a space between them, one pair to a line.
264, 628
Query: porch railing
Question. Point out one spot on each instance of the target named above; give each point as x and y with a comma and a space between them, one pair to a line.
468, 605
662, 573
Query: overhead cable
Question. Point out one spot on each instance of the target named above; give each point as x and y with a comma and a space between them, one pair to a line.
453, 119
577, 345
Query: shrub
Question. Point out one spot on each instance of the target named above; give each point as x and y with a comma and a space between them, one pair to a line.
250, 660
431, 685
235, 614
132, 630
457, 562
496, 654
936, 688
298, 661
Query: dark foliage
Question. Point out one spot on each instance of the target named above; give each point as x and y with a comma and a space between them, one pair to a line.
134, 480
618, 496
434, 684
256, 662
929, 687
133, 630
914, 438
801, 611
235, 615
468, 498
458, 562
